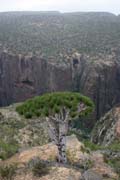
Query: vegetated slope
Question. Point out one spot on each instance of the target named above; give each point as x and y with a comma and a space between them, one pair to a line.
107, 133
17, 133
107, 129
51, 33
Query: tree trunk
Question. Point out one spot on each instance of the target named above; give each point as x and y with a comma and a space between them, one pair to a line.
62, 142
57, 131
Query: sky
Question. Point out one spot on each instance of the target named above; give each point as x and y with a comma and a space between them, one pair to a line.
61, 5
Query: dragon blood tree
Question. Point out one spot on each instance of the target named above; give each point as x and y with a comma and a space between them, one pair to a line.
57, 109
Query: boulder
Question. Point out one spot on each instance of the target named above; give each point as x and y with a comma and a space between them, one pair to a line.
91, 175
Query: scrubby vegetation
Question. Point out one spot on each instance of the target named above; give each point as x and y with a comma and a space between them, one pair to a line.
17, 132
8, 143
114, 163
93, 147
7, 172
115, 146
38, 167
8, 149
112, 156
52, 33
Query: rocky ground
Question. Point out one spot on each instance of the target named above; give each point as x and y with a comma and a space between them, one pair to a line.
22, 140
82, 164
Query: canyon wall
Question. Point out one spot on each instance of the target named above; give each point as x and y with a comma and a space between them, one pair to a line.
24, 77
98, 78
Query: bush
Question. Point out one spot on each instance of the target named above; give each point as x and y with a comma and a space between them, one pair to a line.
28, 115
93, 147
113, 160
7, 150
115, 146
8, 171
39, 168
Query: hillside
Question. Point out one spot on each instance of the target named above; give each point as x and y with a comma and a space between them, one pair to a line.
23, 142
43, 52
52, 33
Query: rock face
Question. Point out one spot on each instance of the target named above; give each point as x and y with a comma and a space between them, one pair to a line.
25, 77
97, 77
107, 130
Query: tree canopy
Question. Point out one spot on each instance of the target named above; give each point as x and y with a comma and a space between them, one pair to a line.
52, 103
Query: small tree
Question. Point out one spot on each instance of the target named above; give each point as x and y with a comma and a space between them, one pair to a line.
58, 109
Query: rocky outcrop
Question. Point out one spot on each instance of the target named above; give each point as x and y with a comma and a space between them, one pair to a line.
91, 175
107, 130
90, 164
22, 77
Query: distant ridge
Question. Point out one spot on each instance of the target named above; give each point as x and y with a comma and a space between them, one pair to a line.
50, 33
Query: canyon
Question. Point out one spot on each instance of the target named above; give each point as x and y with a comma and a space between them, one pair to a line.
22, 77
43, 52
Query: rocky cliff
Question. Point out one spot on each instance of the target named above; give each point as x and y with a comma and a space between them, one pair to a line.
98, 78
22, 77
107, 130
25, 77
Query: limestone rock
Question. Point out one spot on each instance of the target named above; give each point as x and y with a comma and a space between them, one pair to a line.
107, 130
91, 175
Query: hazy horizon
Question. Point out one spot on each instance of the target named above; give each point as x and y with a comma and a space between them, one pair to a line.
111, 6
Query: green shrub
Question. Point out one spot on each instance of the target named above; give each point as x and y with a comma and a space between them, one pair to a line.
8, 171
93, 147
114, 163
28, 115
7, 149
111, 157
38, 167
115, 146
